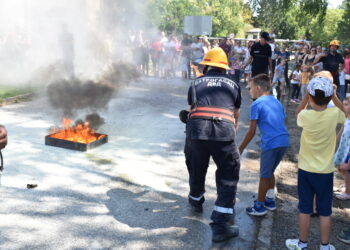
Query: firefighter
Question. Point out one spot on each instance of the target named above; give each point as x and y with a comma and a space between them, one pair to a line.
214, 101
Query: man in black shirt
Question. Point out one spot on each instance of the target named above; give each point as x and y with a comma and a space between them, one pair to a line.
260, 56
332, 62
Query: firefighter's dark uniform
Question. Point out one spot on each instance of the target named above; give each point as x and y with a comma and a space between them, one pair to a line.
210, 131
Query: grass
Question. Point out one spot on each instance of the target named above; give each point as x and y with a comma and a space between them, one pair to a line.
10, 91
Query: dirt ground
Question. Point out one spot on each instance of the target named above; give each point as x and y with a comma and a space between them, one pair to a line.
285, 218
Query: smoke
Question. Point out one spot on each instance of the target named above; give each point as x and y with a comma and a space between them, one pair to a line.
95, 120
80, 37
73, 95
119, 74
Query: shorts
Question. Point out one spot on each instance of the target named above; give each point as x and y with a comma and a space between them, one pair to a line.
248, 69
311, 184
347, 160
269, 161
278, 79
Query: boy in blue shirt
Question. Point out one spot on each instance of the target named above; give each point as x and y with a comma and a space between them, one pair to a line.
267, 113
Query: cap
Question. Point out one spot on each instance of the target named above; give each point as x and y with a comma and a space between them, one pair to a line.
320, 83
265, 35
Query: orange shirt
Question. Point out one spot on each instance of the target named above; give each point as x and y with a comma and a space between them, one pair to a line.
305, 77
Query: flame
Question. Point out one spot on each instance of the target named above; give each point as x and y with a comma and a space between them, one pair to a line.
196, 70
81, 133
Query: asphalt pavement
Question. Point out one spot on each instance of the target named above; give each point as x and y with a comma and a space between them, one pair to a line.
130, 193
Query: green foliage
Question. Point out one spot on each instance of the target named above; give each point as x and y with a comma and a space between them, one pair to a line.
11, 91
229, 16
344, 24
328, 31
288, 18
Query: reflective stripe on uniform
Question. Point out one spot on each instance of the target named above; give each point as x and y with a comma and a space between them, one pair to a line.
218, 117
212, 113
194, 198
223, 210
213, 109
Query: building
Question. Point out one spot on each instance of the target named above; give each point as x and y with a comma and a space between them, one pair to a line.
253, 34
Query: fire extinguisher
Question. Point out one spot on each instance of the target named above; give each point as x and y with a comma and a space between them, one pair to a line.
1, 166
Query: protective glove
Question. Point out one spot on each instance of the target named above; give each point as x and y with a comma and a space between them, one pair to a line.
183, 115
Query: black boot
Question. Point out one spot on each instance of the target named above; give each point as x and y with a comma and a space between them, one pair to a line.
197, 205
223, 231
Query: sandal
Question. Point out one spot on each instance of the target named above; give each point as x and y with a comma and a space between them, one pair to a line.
343, 196
341, 188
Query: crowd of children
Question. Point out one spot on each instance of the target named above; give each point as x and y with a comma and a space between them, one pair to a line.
318, 114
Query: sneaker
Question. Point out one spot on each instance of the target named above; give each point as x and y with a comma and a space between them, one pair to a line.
293, 244
197, 206
330, 247
343, 196
270, 204
292, 100
344, 236
223, 232
257, 210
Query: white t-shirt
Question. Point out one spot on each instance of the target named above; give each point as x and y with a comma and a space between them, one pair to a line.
342, 78
197, 54
297, 76
247, 55
169, 48
239, 50
273, 46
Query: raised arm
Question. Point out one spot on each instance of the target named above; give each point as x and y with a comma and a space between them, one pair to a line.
336, 100
303, 104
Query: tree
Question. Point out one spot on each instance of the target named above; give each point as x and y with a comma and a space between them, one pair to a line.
229, 16
288, 18
344, 24
323, 34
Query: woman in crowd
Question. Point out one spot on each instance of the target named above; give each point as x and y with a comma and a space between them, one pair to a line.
215, 43
299, 55
347, 71
319, 66
248, 69
310, 58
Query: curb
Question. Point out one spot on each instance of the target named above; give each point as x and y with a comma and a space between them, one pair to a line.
16, 99
265, 232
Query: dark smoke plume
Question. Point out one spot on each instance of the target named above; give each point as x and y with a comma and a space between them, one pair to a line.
95, 121
73, 95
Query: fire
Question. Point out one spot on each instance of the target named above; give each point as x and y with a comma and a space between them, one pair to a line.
81, 133
196, 70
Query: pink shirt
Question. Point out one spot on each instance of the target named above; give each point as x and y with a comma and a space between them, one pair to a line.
347, 65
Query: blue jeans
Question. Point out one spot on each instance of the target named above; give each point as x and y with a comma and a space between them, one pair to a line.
341, 92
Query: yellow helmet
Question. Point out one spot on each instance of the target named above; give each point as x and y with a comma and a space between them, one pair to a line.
334, 42
217, 58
